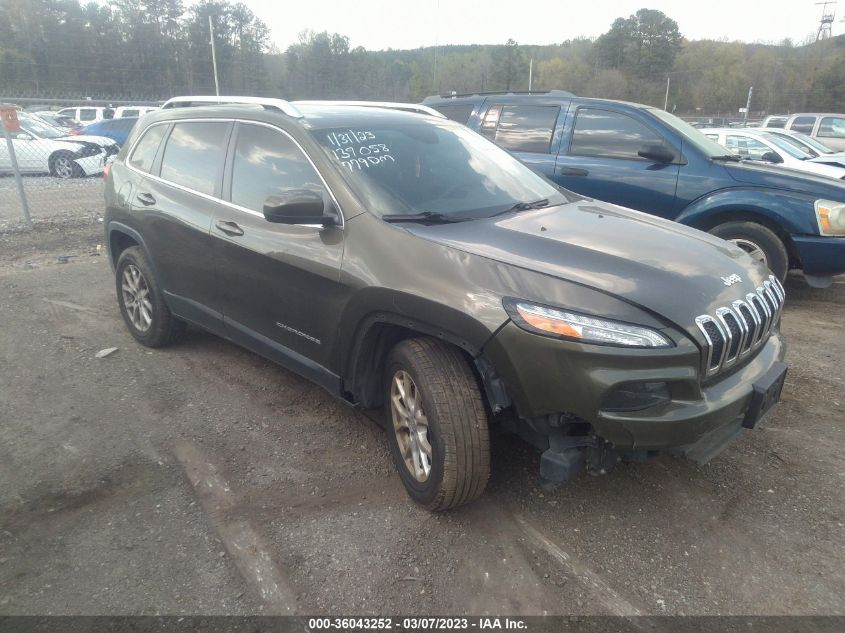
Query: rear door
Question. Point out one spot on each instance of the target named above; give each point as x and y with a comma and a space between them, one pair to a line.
280, 284
525, 129
175, 204
599, 159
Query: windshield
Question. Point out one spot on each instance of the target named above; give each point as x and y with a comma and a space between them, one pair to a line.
40, 128
821, 148
431, 166
694, 136
790, 148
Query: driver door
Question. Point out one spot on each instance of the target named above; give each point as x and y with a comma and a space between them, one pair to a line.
600, 160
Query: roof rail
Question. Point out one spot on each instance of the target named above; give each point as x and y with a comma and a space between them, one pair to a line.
407, 107
200, 100
551, 93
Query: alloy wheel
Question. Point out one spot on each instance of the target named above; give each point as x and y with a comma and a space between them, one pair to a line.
410, 425
63, 167
136, 298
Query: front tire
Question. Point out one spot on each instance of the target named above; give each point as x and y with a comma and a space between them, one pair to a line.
63, 166
759, 242
141, 301
436, 424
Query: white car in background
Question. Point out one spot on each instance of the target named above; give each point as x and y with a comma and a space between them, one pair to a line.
43, 149
122, 112
772, 148
820, 152
87, 114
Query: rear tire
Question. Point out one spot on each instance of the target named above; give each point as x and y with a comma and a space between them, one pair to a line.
141, 301
444, 411
759, 242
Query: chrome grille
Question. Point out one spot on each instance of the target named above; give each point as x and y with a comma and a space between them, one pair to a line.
735, 330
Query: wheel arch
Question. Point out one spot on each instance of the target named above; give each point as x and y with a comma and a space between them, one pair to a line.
708, 214
121, 237
379, 331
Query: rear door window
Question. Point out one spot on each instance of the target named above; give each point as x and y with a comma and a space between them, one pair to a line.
527, 128
458, 112
194, 154
87, 114
832, 127
608, 134
145, 151
129, 113
803, 124
267, 163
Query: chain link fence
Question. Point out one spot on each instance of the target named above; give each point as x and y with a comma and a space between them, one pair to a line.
60, 149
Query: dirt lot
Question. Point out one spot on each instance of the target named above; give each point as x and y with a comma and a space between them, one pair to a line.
203, 479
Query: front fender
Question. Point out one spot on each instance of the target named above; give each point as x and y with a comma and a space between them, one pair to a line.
792, 212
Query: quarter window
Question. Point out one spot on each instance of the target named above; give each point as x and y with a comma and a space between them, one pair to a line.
145, 151
459, 113
832, 127
194, 155
609, 135
527, 128
267, 163
803, 124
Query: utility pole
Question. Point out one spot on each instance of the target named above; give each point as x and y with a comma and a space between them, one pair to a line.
747, 107
530, 73
213, 57
666, 100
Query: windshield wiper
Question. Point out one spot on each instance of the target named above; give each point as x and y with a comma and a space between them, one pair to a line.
425, 217
524, 206
731, 158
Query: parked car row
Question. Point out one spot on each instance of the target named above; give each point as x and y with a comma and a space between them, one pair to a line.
649, 160
771, 147
41, 148
829, 127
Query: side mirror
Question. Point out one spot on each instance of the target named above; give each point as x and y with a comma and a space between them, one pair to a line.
23, 136
297, 206
771, 157
657, 153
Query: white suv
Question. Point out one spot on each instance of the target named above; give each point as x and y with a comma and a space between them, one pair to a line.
87, 114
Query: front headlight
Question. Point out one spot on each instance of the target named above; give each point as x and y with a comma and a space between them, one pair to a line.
581, 327
831, 217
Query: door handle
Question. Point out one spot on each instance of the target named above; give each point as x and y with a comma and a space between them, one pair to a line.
147, 199
229, 228
572, 171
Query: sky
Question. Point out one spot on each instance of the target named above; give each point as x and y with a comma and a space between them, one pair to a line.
381, 24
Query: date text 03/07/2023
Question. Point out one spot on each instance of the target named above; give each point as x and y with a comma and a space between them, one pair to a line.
418, 624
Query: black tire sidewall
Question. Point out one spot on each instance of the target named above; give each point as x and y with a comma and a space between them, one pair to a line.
776, 255
134, 256
423, 492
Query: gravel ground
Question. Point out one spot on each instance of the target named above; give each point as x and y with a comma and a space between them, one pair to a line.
50, 199
203, 479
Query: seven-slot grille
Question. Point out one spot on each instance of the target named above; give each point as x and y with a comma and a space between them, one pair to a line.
735, 330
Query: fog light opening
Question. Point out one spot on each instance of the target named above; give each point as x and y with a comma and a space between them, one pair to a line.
637, 396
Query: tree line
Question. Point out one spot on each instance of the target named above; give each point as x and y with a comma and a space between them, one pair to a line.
154, 49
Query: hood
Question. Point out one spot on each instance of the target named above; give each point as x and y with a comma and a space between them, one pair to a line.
837, 160
771, 176
83, 139
664, 267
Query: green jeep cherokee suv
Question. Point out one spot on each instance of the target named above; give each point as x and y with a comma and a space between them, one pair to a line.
408, 265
